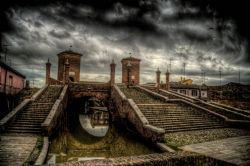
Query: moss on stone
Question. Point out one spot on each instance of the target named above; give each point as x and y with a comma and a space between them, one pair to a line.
35, 153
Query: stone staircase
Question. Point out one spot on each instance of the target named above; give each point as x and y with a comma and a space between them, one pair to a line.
230, 113
30, 118
172, 117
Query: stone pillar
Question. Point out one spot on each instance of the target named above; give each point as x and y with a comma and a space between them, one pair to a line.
167, 81
66, 72
158, 78
112, 73
48, 66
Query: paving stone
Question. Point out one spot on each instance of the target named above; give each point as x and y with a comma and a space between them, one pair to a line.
235, 150
14, 150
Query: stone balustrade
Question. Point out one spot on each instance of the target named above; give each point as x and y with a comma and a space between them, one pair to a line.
55, 117
128, 109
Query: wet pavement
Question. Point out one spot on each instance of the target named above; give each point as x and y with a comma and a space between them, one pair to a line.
234, 150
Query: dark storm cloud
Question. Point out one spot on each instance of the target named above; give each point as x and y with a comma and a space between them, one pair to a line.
190, 32
59, 34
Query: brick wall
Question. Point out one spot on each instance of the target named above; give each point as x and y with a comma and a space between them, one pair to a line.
134, 70
74, 62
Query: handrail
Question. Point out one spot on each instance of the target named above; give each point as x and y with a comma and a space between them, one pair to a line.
143, 127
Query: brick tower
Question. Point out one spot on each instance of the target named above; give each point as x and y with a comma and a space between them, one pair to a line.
48, 66
130, 70
112, 73
74, 59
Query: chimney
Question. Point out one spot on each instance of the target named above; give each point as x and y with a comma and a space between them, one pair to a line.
158, 78
48, 66
112, 73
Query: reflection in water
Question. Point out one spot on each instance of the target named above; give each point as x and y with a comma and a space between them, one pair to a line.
94, 124
99, 118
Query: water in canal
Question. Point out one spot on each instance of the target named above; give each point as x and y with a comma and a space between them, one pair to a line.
110, 140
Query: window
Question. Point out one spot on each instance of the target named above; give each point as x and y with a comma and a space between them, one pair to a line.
183, 91
194, 92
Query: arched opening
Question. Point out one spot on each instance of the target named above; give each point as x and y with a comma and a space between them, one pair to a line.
71, 79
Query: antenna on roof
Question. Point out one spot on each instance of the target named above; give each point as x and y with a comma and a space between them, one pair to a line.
4, 47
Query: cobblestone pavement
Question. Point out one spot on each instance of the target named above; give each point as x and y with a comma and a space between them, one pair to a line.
14, 150
192, 137
235, 150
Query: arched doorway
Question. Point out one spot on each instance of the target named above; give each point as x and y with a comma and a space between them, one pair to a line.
71, 79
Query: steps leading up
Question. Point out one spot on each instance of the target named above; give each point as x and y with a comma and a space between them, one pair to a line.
172, 117
30, 118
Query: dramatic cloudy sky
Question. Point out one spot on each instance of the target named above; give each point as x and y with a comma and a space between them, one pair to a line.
208, 37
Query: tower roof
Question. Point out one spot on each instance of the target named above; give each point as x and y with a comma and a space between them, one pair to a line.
66, 52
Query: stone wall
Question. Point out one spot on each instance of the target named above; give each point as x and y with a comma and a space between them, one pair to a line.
129, 110
53, 81
163, 159
74, 60
134, 70
98, 90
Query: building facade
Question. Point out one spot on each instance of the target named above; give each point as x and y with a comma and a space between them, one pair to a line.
131, 70
192, 90
11, 81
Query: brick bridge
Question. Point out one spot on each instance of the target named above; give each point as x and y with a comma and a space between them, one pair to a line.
153, 113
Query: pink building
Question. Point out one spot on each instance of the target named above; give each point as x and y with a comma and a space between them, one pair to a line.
11, 81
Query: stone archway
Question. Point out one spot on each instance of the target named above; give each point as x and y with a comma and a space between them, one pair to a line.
71, 79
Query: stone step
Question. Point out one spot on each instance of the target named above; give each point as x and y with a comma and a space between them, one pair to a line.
181, 116
25, 125
171, 113
187, 126
34, 113
185, 123
191, 129
23, 128
35, 131
182, 120
31, 115
30, 118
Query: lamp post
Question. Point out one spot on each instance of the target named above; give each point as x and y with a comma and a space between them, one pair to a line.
129, 70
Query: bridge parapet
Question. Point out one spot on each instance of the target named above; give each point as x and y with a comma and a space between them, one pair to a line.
89, 87
98, 90
128, 109
56, 119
